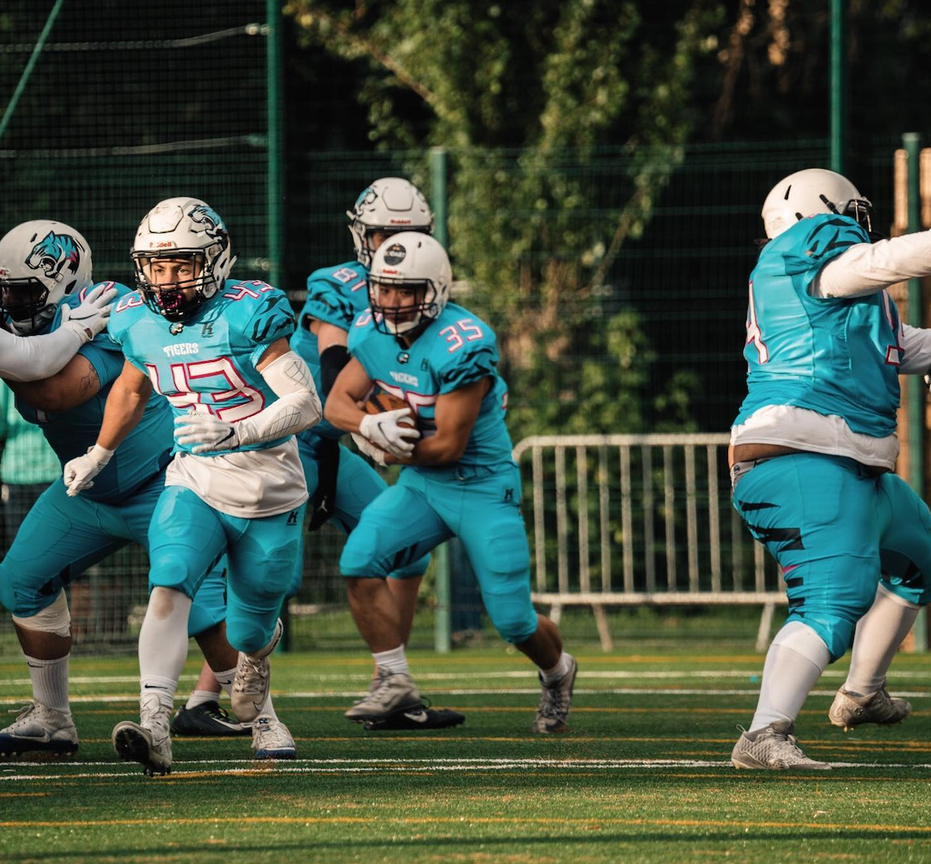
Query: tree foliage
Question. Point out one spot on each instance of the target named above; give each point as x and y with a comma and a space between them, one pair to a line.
512, 90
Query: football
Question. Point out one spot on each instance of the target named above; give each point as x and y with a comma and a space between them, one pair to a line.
381, 401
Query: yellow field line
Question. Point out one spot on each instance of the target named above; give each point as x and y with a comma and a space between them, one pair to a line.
464, 821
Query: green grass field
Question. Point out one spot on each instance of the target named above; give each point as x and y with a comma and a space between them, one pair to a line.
643, 775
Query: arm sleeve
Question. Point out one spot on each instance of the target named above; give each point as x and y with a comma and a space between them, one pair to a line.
867, 268
34, 358
297, 407
916, 348
331, 364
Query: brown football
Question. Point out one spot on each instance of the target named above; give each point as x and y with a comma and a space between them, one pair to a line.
381, 401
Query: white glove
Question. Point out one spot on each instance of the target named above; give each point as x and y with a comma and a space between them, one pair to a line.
80, 471
367, 448
384, 431
206, 431
90, 316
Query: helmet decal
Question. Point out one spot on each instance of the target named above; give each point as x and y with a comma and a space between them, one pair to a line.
206, 217
395, 254
53, 253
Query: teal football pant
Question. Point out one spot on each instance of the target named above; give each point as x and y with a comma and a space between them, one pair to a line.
480, 506
836, 530
61, 537
187, 537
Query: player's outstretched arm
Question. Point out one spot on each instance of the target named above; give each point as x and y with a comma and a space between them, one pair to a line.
297, 408
125, 406
455, 416
34, 358
867, 268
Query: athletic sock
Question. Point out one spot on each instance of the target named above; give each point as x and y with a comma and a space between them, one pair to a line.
163, 644
392, 661
794, 664
551, 676
225, 679
879, 634
201, 697
50, 682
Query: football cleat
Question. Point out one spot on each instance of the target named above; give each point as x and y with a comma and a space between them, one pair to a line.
417, 718
272, 740
39, 729
773, 748
253, 676
208, 720
555, 701
853, 709
388, 694
147, 742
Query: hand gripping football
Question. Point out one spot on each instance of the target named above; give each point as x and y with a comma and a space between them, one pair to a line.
381, 401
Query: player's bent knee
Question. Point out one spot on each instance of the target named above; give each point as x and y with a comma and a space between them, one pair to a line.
247, 633
54, 618
512, 615
835, 630
358, 562
172, 568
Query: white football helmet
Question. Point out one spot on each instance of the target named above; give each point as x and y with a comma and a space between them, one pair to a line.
41, 263
814, 190
185, 229
390, 204
415, 261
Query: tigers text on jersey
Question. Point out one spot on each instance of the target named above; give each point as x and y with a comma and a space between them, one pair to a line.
335, 295
827, 355
147, 448
209, 364
455, 350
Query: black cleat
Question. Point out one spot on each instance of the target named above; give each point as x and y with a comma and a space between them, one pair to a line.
207, 720
417, 718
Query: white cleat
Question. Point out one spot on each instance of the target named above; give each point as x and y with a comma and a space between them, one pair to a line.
389, 694
773, 748
147, 742
555, 701
853, 709
253, 677
39, 729
272, 740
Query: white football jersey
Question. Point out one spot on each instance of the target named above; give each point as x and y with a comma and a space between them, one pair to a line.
247, 483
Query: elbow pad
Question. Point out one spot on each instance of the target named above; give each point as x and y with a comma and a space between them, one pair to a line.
331, 363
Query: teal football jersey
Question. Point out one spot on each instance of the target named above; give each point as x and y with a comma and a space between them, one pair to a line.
335, 295
832, 356
210, 359
146, 449
455, 350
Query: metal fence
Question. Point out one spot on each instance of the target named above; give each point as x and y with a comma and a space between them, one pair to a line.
639, 520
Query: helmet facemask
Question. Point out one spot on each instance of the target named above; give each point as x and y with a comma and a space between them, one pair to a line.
404, 320
25, 301
172, 298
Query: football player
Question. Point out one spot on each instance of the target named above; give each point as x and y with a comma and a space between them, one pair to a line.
217, 350
48, 297
458, 479
339, 481
812, 450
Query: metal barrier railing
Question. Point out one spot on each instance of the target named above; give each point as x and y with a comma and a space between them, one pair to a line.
644, 520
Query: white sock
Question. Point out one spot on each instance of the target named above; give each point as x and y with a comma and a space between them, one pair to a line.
550, 676
163, 644
268, 710
879, 634
225, 679
794, 664
392, 661
201, 697
50, 682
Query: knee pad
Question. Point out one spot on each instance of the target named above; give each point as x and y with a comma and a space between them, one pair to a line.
54, 618
512, 614
171, 568
357, 560
247, 633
